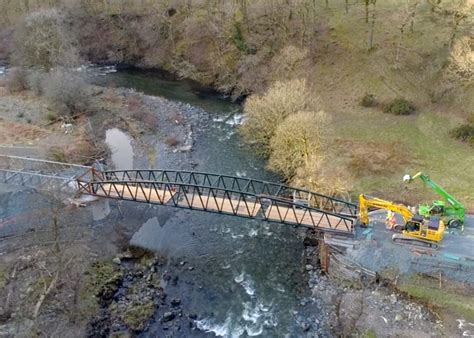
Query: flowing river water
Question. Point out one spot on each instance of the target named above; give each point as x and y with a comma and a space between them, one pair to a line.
242, 277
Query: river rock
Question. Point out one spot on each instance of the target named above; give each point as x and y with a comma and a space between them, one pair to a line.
305, 326
168, 316
175, 301
117, 260
185, 148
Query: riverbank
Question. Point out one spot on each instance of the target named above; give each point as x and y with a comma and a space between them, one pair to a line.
388, 302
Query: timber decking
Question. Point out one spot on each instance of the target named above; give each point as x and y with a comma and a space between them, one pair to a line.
224, 205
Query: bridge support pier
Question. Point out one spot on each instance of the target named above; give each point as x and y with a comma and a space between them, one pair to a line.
323, 256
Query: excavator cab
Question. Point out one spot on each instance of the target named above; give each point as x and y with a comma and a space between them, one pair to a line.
427, 229
414, 225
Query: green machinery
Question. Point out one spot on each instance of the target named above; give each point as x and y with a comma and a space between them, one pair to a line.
449, 209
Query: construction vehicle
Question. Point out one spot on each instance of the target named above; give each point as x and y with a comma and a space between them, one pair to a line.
450, 210
416, 229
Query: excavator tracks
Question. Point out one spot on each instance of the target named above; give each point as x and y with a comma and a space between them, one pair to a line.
413, 241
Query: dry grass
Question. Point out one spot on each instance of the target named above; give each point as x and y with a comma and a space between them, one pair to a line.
84, 150
147, 119
19, 133
374, 158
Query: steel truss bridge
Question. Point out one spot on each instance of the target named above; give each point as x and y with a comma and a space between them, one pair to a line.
223, 194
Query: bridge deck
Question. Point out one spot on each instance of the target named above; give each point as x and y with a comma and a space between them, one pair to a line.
301, 216
238, 196
227, 205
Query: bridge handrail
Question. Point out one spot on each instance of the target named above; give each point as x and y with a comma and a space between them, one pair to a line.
350, 205
31, 159
63, 178
256, 196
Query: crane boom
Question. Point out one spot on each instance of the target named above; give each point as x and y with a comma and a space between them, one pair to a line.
450, 208
438, 189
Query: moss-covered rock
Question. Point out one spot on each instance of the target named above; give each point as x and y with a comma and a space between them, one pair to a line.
136, 314
101, 281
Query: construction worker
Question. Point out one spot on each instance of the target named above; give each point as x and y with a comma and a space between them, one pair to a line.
391, 220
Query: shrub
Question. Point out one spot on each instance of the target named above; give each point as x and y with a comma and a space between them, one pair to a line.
84, 150
67, 93
368, 100
296, 141
43, 40
265, 112
464, 133
16, 81
50, 116
461, 64
237, 38
35, 82
400, 106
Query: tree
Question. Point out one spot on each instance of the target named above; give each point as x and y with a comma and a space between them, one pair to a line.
461, 66
372, 25
298, 141
42, 40
265, 112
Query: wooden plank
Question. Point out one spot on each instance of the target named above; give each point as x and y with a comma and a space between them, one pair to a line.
296, 215
142, 194
221, 204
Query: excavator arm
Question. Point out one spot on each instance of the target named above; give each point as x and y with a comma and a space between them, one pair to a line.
366, 202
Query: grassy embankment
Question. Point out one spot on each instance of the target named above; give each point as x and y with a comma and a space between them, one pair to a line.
380, 148
450, 300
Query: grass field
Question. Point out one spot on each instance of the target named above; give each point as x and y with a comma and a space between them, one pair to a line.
449, 300
411, 143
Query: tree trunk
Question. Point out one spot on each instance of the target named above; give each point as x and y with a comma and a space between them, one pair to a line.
399, 46
412, 21
243, 9
372, 27
367, 11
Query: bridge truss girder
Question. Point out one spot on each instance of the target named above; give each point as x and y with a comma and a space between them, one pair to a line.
225, 195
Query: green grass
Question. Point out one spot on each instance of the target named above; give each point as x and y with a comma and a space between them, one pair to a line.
369, 334
446, 301
3, 277
424, 143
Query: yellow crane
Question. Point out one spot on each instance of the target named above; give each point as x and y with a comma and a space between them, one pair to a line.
416, 230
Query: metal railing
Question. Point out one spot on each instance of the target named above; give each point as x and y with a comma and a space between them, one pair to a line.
39, 173
224, 194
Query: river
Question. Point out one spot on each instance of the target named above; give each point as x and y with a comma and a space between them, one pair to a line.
242, 277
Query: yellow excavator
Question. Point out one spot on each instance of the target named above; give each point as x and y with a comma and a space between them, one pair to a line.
416, 230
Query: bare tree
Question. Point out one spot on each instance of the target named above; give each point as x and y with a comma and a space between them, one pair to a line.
372, 26
407, 16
